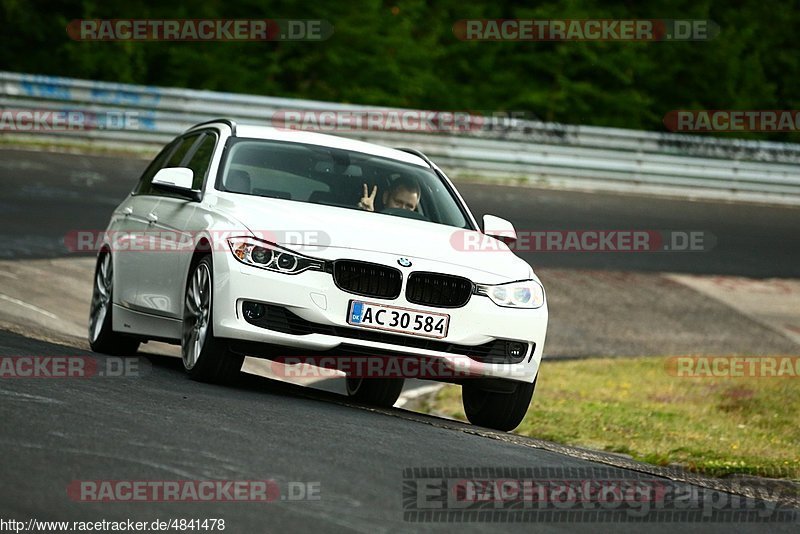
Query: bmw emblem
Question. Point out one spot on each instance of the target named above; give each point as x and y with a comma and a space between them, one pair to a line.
404, 262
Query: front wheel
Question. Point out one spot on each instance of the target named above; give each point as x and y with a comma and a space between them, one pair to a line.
205, 357
498, 410
381, 392
102, 337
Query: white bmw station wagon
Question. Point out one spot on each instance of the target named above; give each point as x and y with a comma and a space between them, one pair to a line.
243, 240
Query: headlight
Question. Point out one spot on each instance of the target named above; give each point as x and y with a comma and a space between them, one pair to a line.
266, 255
523, 294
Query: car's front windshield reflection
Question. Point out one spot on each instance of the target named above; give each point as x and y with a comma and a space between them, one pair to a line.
340, 178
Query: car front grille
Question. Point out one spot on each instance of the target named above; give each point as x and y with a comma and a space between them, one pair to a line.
280, 319
367, 279
439, 290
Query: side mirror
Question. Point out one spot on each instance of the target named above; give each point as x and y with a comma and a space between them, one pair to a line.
176, 180
499, 228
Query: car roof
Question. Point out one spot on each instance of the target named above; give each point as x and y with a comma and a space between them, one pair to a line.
253, 131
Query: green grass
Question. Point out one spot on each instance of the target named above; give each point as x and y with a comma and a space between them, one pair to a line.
635, 406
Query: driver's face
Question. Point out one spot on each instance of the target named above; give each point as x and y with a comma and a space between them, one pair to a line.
401, 198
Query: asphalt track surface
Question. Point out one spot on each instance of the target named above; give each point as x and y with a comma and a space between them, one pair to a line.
46, 195
162, 426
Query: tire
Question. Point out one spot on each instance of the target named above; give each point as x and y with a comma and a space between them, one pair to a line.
380, 392
492, 409
205, 357
102, 337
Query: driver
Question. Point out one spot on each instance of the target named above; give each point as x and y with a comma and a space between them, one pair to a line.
403, 193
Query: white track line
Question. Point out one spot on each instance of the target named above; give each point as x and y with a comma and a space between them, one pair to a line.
28, 306
410, 395
29, 397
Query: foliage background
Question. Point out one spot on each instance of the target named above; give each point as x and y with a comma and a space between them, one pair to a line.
403, 53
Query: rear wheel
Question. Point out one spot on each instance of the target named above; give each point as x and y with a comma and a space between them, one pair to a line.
382, 392
494, 409
205, 357
102, 337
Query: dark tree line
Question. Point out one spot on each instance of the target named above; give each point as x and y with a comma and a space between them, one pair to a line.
404, 53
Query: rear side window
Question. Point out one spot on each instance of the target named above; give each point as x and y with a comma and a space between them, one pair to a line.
183, 149
158, 163
194, 151
201, 160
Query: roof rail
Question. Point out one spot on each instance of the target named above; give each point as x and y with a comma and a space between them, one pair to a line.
229, 122
418, 154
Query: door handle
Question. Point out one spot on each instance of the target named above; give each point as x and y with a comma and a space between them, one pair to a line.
152, 218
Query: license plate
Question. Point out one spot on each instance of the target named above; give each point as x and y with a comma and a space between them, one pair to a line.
396, 319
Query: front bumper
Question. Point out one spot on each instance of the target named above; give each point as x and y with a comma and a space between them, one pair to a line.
313, 297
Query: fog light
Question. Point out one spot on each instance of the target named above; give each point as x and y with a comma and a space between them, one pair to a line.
515, 350
253, 311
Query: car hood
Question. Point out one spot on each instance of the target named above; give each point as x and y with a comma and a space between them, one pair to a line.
332, 229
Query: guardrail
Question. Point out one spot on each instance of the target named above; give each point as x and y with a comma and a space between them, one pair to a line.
515, 151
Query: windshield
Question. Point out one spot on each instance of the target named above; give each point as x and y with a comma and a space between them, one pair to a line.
339, 178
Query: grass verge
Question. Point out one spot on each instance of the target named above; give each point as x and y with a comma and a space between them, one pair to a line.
714, 426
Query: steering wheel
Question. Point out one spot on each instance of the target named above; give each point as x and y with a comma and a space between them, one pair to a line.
408, 214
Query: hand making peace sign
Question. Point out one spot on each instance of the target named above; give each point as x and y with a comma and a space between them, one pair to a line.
367, 201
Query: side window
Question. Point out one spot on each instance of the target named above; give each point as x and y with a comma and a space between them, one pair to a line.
183, 149
197, 148
201, 160
143, 187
